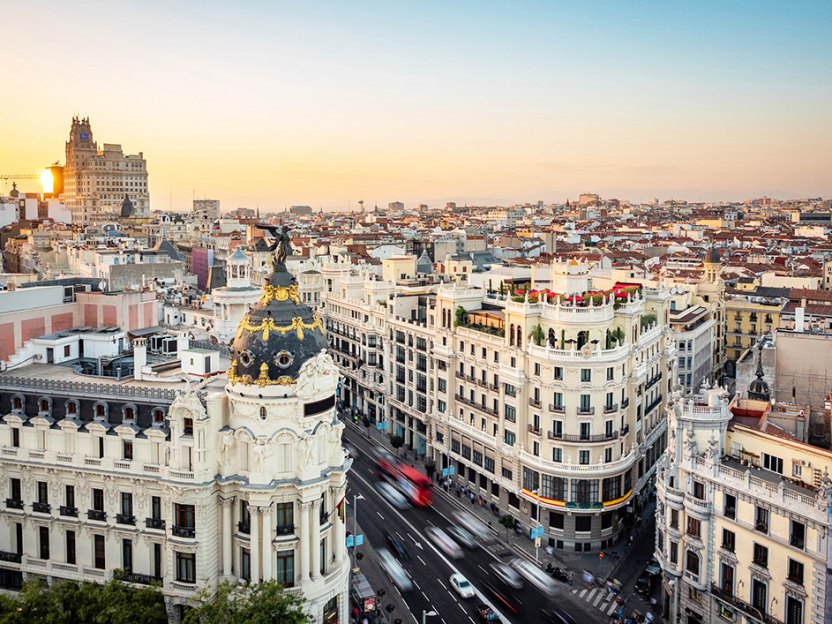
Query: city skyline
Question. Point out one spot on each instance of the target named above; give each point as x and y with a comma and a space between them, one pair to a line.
329, 104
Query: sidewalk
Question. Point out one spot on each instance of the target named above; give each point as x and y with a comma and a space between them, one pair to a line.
602, 568
369, 566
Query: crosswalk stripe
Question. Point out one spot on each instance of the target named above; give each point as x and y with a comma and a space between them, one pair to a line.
574, 591
581, 595
612, 608
598, 599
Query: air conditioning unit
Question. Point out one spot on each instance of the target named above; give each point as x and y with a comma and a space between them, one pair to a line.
803, 462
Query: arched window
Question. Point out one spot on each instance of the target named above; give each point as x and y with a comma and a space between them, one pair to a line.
17, 403
511, 335
100, 412
158, 416
582, 338
71, 407
129, 413
44, 405
519, 336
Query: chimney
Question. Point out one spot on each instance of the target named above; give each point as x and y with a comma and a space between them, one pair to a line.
139, 357
183, 342
799, 320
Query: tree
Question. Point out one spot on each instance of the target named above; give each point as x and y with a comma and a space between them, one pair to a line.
263, 603
396, 442
508, 522
460, 316
537, 334
366, 422
68, 602
430, 468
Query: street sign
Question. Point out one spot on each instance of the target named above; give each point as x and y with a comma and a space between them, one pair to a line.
358, 541
537, 542
536, 533
382, 425
447, 472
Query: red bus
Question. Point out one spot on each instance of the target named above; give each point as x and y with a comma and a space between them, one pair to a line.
414, 485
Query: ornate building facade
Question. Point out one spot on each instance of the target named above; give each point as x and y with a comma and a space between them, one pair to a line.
243, 480
97, 182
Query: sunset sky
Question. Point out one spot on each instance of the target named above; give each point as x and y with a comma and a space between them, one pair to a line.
326, 103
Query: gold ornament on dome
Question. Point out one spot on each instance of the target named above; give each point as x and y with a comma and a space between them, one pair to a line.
262, 380
280, 293
268, 325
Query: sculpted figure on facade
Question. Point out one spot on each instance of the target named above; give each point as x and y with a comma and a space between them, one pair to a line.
226, 447
261, 451
315, 375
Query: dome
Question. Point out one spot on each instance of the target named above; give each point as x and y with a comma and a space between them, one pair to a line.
712, 256
279, 334
758, 389
126, 207
424, 265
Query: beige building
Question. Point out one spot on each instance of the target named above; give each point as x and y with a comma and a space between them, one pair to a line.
97, 182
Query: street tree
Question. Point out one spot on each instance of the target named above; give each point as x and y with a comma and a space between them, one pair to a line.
264, 603
508, 522
397, 442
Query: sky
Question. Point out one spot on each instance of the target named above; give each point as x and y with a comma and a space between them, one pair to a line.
273, 104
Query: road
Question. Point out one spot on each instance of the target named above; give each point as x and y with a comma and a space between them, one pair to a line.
430, 569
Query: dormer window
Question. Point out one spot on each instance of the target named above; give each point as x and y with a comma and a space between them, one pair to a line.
100, 411
17, 403
44, 406
129, 413
158, 416
72, 408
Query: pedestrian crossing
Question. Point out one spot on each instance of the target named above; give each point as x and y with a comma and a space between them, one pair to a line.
598, 597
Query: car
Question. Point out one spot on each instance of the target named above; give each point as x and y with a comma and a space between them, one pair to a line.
507, 575
653, 568
392, 495
474, 525
462, 586
534, 575
462, 536
444, 542
505, 600
394, 570
554, 615
351, 449
397, 545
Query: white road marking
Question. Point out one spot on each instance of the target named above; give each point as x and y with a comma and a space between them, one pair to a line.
462, 609
482, 568
598, 599
470, 618
426, 596
417, 585
442, 584
400, 535
379, 515
581, 595
613, 605
422, 560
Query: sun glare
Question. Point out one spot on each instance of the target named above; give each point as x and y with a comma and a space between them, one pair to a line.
46, 181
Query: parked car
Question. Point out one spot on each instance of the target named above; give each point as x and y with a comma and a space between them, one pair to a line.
507, 575
397, 545
444, 542
392, 495
462, 586
463, 536
394, 570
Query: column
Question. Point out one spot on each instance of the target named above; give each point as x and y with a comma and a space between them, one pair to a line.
339, 537
254, 543
268, 531
315, 533
304, 541
227, 532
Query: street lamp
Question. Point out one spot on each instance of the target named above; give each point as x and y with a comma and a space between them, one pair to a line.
355, 499
539, 537
427, 614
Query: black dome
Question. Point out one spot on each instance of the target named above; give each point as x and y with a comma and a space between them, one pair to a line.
712, 256
758, 389
277, 335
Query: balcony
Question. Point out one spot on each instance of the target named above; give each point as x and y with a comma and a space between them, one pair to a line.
511, 393
68, 511
586, 411
534, 430
534, 402
41, 507
730, 599
180, 531
244, 527
97, 514
625, 403
10, 557
460, 376
586, 439
494, 387
609, 409
625, 430
14, 503
155, 523
289, 529
482, 382
125, 519
557, 409
141, 579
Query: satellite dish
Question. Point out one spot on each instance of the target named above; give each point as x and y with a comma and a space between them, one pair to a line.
102, 285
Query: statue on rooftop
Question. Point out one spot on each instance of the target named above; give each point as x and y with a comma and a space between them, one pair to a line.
281, 244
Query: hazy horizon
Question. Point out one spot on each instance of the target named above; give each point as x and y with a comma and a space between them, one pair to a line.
480, 103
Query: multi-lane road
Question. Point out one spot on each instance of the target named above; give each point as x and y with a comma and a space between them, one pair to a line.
430, 568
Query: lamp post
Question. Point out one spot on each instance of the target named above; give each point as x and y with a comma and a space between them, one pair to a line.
537, 528
427, 614
355, 499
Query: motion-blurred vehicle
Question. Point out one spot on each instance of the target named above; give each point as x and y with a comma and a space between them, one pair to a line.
397, 545
474, 525
486, 614
444, 542
507, 575
462, 586
643, 585
653, 568
463, 537
504, 599
417, 487
352, 449
392, 495
534, 575
394, 570
554, 615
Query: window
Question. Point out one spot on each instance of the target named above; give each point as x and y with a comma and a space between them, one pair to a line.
583, 457
15, 437
674, 518
188, 426
185, 516
726, 578
245, 564
610, 373
558, 373
157, 560
43, 539
322, 562
584, 430
728, 540
506, 473
70, 496
795, 572
556, 520
673, 552
794, 610
759, 593
511, 413
608, 455
797, 535
692, 563
694, 527
699, 490
98, 552
126, 504
186, 567
509, 438
761, 520
770, 462
760, 555
557, 455
729, 506
586, 374
70, 547
127, 555
558, 400
285, 518
537, 369
285, 573
98, 499
127, 449
584, 405
43, 492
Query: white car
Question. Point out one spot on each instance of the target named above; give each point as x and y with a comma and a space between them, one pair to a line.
394, 570
534, 575
507, 575
392, 495
463, 537
444, 542
462, 586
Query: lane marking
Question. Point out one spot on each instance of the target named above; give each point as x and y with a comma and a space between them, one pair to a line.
422, 560
441, 583
417, 585
463, 610
597, 599
581, 595
379, 515
482, 568
612, 608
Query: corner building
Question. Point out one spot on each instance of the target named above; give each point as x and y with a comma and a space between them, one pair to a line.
242, 481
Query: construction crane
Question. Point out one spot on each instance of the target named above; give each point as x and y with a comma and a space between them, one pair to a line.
14, 177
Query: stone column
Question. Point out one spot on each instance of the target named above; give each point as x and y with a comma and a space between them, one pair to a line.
315, 535
227, 534
304, 541
339, 537
267, 543
254, 543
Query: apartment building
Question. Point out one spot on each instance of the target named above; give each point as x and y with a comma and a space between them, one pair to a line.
750, 315
743, 512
